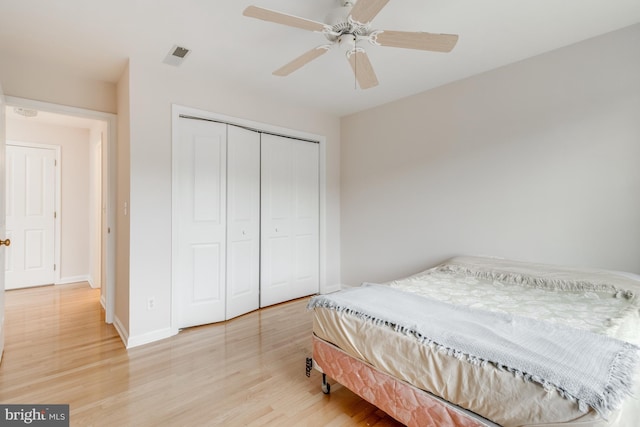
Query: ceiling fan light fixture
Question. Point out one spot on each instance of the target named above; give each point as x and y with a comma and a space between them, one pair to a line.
26, 112
347, 42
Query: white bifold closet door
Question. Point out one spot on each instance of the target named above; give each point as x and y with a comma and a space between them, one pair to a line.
289, 266
200, 175
243, 221
247, 221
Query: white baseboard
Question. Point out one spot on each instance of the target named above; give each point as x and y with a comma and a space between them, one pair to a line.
149, 337
138, 340
93, 283
332, 288
122, 331
72, 279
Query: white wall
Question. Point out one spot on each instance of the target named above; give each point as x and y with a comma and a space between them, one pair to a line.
75, 202
32, 79
534, 161
153, 88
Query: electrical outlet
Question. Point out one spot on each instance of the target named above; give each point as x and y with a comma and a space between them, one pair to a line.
151, 303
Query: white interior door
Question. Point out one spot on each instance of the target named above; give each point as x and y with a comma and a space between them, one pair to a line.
2, 217
200, 176
243, 221
30, 216
289, 219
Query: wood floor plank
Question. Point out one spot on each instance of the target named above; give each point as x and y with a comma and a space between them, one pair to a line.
245, 372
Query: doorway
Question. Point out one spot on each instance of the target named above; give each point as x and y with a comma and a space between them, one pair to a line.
98, 188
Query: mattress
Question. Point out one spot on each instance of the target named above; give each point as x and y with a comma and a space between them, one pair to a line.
602, 302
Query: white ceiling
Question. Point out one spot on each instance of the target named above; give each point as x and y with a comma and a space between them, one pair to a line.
93, 39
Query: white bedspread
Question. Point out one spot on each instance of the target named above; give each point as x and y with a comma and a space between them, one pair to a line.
594, 369
596, 301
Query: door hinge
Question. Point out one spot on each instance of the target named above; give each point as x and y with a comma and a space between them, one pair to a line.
54, 267
55, 162
55, 214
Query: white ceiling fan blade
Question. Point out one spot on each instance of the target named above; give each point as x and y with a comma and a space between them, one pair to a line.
416, 40
362, 69
365, 10
300, 61
283, 18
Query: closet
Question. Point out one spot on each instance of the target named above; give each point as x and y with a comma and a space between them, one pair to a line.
246, 213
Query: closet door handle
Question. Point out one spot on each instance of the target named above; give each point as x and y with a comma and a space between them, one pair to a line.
5, 242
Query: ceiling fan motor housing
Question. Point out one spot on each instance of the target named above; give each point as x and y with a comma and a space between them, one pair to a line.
338, 16
340, 23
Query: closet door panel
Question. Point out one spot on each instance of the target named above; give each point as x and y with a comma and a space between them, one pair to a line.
276, 278
201, 246
290, 263
278, 261
206, 272
243, 221
306, 218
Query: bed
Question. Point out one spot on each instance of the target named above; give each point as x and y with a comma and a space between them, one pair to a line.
483, 342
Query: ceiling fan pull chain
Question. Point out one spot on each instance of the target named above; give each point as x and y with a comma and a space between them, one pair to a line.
355, 67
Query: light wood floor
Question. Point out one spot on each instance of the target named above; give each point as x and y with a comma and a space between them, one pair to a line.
248, 371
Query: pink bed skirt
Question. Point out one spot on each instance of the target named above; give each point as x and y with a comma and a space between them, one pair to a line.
402, 401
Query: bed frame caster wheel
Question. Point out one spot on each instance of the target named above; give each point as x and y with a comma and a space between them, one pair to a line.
326, 387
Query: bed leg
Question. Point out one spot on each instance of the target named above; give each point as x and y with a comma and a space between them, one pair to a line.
326, 388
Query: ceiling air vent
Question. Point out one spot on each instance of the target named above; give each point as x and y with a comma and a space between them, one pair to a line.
176, 55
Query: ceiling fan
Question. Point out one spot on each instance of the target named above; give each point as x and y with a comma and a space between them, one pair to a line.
346, 27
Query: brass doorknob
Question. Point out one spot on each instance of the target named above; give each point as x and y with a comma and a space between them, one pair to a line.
5, 242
